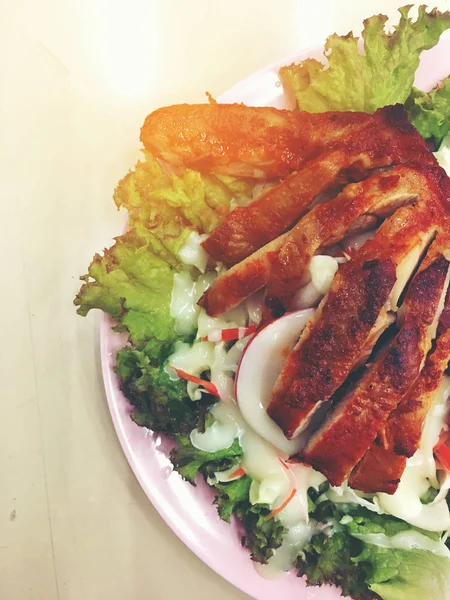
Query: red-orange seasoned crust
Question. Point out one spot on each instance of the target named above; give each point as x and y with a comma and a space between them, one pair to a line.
262, 142
385, 139
383, 464
351, 317
378, 196
342, 440
246, 229
282, 263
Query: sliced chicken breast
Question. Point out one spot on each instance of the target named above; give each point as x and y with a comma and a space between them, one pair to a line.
356, 310
282, 263
383, 464
350, 429
353, 210
248, 228
386, 140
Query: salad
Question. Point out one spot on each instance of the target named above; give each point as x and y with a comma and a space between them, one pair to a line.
213, 331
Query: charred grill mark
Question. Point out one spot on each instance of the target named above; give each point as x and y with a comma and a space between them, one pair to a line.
381, 470
426, 290
321, 363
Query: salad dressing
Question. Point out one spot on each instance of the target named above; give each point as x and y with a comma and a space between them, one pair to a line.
272, 479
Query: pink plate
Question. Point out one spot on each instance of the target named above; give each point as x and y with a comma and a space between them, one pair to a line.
188, 510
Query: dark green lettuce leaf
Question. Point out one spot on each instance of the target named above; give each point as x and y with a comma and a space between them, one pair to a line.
263, 535
160, 403
328, 559
232, 495
189, 460
363, 570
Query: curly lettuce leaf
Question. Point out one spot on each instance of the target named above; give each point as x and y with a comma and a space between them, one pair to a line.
189, 460
328, 559
160, 403
345, 557
132, 282
263, 535
397, 574
382, 75
429, 112
231, 496
133, 279
172, 205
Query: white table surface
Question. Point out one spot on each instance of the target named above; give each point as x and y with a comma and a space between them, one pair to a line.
77, 79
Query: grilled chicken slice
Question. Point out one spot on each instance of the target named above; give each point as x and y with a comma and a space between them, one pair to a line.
282, 263
383, 464
387, 140
349, 320
248, 228
378, 196
349, 430
261, 142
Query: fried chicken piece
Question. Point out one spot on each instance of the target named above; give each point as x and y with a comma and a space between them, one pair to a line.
383, 464
282, 263
258, 142
379, 196
359, 306
386, 140
349, 430
248, 228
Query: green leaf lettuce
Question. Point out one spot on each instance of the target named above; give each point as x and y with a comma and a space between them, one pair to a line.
430, 111
378, 74
382, 75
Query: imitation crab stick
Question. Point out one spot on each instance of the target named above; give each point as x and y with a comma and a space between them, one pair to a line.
229, 335
208, 385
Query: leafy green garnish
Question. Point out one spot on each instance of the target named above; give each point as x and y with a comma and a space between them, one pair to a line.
133, 279
263, 534
365, 522
232, 495
132, 282
381, 75
172, 206
188, 460
329, 560
342, 555
396, 574
161, 404
430, 112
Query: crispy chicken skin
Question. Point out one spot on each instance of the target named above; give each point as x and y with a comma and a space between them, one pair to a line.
383, 464
282, 263
348, 431
354, 313
387, 140
327, 224
248, 228
260, 142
